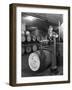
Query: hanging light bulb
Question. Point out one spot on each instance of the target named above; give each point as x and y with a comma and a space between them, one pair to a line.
31, 18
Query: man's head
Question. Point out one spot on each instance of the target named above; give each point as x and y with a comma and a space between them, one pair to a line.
50, 28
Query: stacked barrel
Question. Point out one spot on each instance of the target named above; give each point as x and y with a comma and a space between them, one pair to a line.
30, 42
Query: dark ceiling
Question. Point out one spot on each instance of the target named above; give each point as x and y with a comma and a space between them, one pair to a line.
51, 19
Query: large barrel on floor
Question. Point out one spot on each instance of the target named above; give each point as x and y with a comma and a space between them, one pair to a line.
39, 60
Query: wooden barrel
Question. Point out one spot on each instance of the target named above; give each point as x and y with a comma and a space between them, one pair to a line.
28, 49
23, 50
34, 38
23, 38
34, 47
38, 38
27, 33
44, 42
28, 38
39, 61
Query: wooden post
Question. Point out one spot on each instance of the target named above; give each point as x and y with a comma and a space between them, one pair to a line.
59, 29
54, 53
54, 66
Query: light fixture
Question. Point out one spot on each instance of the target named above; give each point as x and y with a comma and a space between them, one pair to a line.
31, 18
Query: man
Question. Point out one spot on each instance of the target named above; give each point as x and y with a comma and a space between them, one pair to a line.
52, 37
51, 33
